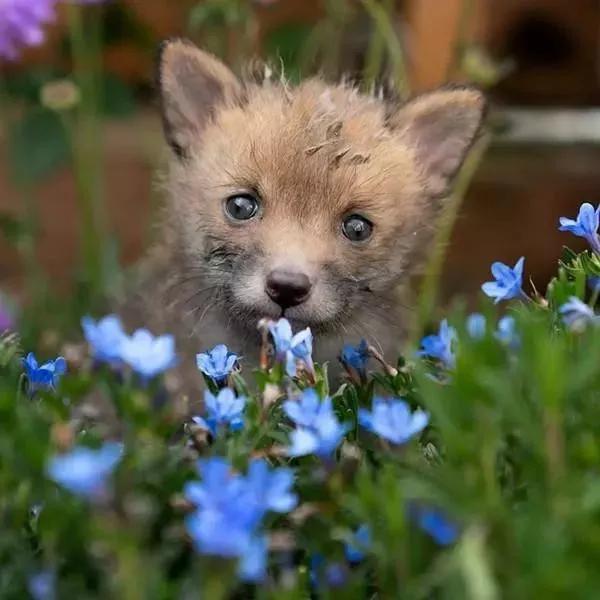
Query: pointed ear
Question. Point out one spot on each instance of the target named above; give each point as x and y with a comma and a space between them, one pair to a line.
440, 127
193, 85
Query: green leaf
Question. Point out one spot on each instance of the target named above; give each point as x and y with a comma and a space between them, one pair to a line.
117, 97
208, 14
285, 44
26, 85
122, 24
38, 146
13, 228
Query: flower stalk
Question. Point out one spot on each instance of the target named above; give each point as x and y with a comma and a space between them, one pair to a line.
87, 155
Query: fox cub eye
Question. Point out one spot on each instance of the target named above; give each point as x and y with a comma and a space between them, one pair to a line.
242, 207
357, 228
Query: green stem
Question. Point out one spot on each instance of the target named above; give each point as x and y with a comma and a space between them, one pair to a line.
87, 143
375, 52
383, 23
334, 25
431, 280
26, 244
594, 296
465, 18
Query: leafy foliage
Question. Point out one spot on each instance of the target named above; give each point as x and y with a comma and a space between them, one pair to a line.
498, 497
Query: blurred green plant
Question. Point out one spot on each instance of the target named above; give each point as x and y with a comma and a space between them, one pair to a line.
498, 497
53, 119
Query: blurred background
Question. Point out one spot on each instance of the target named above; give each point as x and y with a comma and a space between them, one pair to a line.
80, 137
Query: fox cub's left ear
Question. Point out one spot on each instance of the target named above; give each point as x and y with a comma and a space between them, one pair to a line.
440, 127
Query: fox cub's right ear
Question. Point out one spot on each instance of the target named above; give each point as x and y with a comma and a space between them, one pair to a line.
192, 84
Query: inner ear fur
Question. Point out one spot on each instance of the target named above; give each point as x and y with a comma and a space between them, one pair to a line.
440, 127
193, 85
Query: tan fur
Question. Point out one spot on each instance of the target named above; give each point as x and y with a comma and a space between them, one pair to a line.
314, 154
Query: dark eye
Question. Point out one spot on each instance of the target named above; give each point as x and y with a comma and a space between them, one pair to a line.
242, 207
357, 228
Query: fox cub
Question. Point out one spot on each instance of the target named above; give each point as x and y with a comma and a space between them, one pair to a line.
311, 202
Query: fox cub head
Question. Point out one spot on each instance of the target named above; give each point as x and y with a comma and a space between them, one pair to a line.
310, 201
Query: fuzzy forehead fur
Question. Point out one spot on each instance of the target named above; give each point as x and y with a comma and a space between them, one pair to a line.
314, 152
318, 149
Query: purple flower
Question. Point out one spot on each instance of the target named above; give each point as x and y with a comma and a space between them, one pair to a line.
46, 376
105, 337
356, 357
217, 363
440, 346
585, 226
393, 420
21, 23
318, 430
508, 282
359, 544
84, 471
224, 410
148, 355
577, 315
291, 349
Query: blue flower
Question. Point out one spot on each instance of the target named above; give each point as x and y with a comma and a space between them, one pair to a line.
224, 523
219, 487
46, 376
291, 349
147, 355
585, 226
433, 521
217, 363
336, 574
332, 574
104, 337
359, 544
577, 315
225, 532
271, 489
253, 563
507, 332
318, 429
594, 284
476, 326
509, 282
393, 420
440, 346
356, 357
223, 410
84, 471
42, 585
230, 509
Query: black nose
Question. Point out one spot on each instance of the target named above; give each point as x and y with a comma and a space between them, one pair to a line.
287, 288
